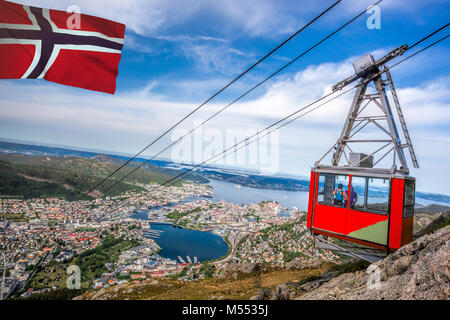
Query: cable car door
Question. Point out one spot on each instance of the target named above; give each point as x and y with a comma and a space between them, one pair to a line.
330, 211
368, 212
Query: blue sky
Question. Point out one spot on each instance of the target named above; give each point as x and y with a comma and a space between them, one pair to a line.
177, 53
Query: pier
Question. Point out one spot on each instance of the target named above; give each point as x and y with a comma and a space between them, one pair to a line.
154, 234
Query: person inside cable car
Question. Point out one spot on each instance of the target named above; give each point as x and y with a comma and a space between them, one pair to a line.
352, 196
339, 196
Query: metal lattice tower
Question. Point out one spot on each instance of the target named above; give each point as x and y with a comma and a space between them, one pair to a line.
367, 71
402, 119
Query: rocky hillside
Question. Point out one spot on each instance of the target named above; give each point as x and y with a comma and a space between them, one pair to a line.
419, 270
432, 208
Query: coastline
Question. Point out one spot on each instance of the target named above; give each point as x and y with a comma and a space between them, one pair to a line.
176, 225
224, 238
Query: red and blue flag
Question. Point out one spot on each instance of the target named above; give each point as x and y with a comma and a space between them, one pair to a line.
37, 43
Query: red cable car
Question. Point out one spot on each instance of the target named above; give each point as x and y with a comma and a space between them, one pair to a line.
370, 208
377, 212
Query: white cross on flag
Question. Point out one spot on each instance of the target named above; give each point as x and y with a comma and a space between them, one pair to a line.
38, 43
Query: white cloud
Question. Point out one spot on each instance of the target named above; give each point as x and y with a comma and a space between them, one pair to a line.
35, 110
428, 104
142, 16
135, 44
424, 105
216, 58
188, 38
155, 17
267, 18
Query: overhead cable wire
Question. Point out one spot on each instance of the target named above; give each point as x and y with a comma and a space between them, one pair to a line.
345, 92
214, 95
270, 126
300, 110
242, 96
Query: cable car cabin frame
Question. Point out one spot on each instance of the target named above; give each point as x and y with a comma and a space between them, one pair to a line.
385, 225
376, 214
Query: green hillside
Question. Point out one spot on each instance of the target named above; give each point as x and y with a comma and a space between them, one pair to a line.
68, 177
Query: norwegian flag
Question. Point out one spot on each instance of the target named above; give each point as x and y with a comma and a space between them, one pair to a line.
38, 43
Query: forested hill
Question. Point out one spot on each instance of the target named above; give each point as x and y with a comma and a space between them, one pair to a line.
68, 177
171, 169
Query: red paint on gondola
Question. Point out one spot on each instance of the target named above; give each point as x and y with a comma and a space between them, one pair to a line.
387, 231
310, 200
395, 229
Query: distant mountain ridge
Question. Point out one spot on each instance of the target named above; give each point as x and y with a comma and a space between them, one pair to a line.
158, 166
248, 179
68, 177
107, 159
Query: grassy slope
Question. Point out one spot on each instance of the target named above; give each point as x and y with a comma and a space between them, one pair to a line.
244, 287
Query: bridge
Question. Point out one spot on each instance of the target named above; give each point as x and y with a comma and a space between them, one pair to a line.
161, 222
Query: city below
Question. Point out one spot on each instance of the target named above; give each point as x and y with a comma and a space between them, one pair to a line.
44, 236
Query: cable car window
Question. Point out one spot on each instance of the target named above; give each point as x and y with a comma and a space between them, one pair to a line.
357, 194
340, 191
378, 194
321, 189
325, 189
409, 202
332, 189
409, 192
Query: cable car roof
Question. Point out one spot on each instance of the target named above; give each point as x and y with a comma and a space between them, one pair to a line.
361, 171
